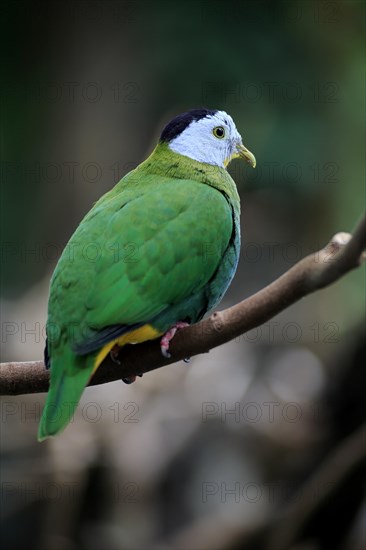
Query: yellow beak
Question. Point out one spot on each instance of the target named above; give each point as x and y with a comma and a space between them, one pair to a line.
243, 152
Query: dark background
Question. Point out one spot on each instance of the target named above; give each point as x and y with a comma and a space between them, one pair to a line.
257, 444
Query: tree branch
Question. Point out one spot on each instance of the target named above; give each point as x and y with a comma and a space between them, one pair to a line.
343, 253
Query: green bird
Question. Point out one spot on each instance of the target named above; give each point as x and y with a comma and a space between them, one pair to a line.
154, 254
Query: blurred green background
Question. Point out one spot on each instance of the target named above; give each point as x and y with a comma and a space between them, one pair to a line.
87, 87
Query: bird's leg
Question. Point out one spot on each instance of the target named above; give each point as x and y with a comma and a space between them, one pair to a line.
168, 337
114, 356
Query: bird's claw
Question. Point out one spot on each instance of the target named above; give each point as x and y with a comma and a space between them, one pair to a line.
164, 351
113, 354
168, 337
129, 379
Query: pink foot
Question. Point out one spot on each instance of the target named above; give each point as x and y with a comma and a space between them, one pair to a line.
168, 337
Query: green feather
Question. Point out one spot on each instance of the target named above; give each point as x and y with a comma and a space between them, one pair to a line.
66, 387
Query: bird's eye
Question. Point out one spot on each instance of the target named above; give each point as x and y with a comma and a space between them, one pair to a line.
219, 132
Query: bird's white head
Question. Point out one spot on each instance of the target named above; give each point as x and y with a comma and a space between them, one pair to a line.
206, 136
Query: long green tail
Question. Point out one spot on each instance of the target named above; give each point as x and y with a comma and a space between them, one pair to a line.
69, 376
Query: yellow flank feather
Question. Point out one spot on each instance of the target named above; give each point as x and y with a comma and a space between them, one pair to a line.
137, 336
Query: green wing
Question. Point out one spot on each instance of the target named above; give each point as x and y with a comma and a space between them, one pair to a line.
143, 256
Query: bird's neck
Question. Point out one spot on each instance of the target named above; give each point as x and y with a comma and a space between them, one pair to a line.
165, 162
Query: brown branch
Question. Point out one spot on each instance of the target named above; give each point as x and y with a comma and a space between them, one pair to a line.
343, 253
